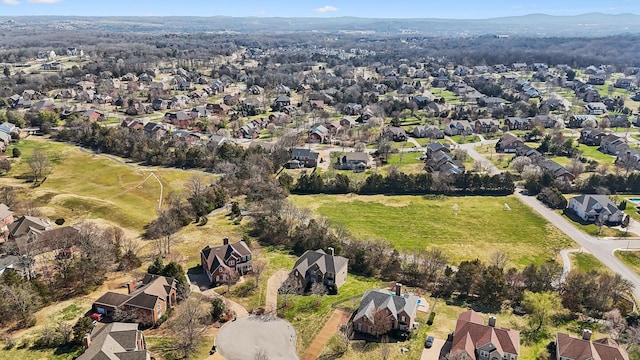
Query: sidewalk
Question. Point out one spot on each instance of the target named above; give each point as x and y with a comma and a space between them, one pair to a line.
331, 327
273, 284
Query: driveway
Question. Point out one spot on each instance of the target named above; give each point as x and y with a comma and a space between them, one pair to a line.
199, 283
601, 248
440, 347
273, 284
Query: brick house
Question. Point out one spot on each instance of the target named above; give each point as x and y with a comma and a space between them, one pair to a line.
316, 266
218, 262
6, 218
479, 341
381, 310
570, 348
149, 299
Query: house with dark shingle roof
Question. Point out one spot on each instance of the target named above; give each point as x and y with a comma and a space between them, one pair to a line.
217, 262
479, 341
590, 207
149, 299
508, 143
6, 218
122, 341
397, 311
570, 348
316, 266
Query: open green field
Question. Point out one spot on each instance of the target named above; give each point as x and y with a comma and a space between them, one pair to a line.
481, 226
586, 262
83, 185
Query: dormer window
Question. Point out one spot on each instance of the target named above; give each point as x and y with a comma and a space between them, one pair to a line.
231, 262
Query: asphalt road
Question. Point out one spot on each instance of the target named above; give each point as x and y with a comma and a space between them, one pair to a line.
601, 248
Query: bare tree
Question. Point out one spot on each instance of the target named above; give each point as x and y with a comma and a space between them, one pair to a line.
499, 258
291, 285
163, 230
188, 328
382, 322
575, 167
39, 164
8, 196
260, 354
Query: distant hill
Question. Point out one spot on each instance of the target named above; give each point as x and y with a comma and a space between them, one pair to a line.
588, 25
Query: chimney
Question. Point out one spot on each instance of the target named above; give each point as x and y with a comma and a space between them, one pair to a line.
225, 241
398, 289
332, 251
86, 341
492, 321
131, 285
586, 334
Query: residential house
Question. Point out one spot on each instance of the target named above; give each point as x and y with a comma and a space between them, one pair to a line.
570, 348
5, 139
590, 207
431, 132
558, 171
6, 218
458, 127
517, 123
508, 143
612, 144
318, 134
519, 66
485, 126
397, 310
491, 103
188, 137
160, 104
476, 340
222, 263
217, 87
590, 136
74, 52
356, 161
394, 133
316, 104
596, 108
43, 105
618, 121
115, 341
546, 121
623, 83
577, 121
597, 79
439, 159
219, 109
181, 119
352, 109
28, 227
93, 115
154, 130
366, 115
282, 89
436, 146
150, 299
348, 122
303, 157
281, 101
316, 266
628, 158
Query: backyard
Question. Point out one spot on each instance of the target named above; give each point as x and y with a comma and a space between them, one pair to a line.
483, 224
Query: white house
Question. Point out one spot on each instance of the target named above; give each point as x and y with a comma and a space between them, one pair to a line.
590, 207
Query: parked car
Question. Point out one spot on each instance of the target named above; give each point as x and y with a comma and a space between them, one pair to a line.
429, 342
96, 317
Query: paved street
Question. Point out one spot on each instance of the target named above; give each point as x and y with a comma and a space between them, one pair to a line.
601, 248
486, 164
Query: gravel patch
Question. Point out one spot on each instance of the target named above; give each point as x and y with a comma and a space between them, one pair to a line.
244, 338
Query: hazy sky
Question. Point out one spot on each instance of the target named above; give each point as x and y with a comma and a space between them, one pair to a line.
461, 9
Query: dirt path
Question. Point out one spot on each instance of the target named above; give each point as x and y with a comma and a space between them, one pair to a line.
332, 326
273, 284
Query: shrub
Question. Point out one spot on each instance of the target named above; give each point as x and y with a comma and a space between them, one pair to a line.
432, 316
59, 221
16, 152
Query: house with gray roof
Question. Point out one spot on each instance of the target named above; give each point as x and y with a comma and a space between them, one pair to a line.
316, 266
303, 157
117, 341
590, 207
395, 310
219, 261
356, 161
149, 299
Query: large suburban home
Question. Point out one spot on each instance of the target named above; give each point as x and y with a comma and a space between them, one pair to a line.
148, 299
577, 121
476, 340
458, 127
117, 340
222, 263
613, 144
431, 132
558, 171
395, 133
316, 266
591, 207
382, 310
590, 136
303, 157
484, 126
508, 143
596, 108
517, 123
318, 134
355, 161
570, 348
28, 227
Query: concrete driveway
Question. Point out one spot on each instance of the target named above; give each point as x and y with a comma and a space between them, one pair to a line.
438, 349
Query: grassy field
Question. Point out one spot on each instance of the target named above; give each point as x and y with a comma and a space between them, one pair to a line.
82, 185
586, 262
481, 227
592, 152
630, 258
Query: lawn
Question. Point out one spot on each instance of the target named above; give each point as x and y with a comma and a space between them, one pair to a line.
630, 258
465, 139
408, 158
586, 262
87, 186
411, 223
592, 229
592, 152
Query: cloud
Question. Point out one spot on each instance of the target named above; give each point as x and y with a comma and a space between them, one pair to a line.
327, 8
10, 2
44, 1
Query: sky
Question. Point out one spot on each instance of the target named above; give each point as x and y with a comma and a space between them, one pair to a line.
459, 9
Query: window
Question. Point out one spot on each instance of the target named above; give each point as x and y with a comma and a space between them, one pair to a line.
403, 318
359, 327
231, 262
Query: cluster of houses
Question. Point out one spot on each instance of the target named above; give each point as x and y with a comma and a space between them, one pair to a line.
509, 143
438, 158
612, 144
